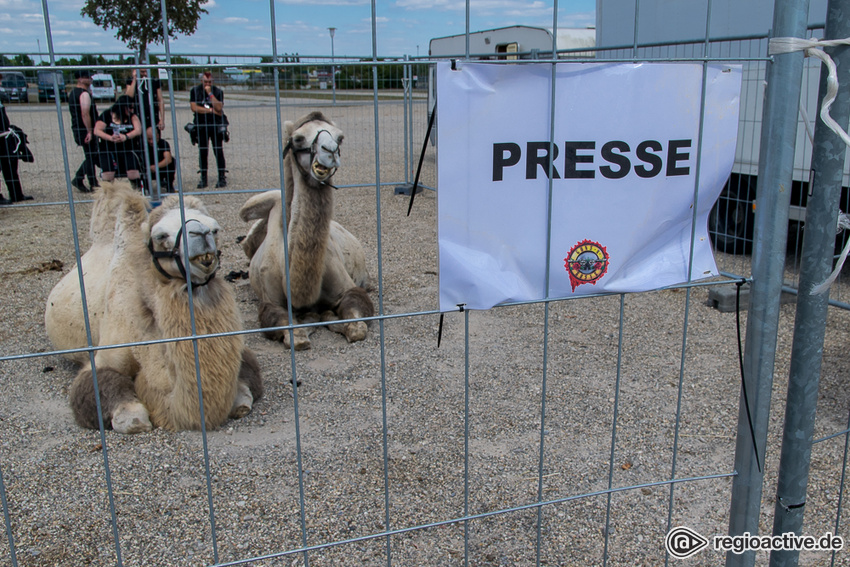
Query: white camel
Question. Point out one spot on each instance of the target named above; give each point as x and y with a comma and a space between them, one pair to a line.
328, 276
136, 275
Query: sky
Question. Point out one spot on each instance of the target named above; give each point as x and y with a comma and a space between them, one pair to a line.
243, 27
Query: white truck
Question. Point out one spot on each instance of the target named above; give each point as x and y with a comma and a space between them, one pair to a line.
103, 87
737, 30
508, 43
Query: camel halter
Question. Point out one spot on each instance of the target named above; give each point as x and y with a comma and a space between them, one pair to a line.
174, 254
313, 149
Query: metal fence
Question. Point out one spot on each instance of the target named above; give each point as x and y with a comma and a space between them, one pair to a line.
558, 433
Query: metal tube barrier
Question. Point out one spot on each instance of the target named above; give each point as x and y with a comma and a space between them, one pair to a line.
776, 162
810, 322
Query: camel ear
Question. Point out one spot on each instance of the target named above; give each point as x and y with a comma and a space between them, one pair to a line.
259, 206
289, 128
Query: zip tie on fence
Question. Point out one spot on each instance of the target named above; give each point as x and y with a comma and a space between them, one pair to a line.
810, 47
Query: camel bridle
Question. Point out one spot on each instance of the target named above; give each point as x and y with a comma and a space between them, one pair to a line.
313, 148
174, 254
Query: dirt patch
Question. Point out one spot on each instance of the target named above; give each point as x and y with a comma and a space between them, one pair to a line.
395, 432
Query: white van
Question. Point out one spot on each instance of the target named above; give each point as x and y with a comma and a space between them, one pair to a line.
103, 86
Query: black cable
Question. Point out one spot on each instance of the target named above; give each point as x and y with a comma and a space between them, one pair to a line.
743, 380
421, 159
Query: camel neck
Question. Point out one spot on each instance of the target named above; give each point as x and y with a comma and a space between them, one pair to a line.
310, 209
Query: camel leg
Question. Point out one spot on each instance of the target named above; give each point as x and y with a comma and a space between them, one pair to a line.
355, 303
249, 373
276, 316
242, 403
121, 409
250, 388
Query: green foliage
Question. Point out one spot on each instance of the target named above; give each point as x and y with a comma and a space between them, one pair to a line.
362, 77
138, 23
89, 60
22, 60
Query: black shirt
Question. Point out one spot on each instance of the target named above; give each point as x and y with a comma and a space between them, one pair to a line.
199, 96
78, 127
143, 98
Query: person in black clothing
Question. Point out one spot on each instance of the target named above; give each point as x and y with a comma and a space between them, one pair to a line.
142, 90
161, 158
83, 118
207, 102
8, 161
118, 130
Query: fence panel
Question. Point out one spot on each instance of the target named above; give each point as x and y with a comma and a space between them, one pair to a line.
562, 432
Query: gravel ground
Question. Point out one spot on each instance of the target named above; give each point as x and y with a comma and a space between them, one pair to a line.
399, 381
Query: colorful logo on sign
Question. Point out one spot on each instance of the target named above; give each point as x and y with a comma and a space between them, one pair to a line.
587, 262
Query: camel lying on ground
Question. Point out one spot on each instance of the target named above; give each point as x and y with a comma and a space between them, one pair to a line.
328, 277
136, 289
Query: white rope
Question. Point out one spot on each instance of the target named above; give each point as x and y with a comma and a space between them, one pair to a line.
9, 134
811, 47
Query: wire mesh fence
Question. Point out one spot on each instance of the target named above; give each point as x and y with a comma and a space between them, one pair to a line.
560, 432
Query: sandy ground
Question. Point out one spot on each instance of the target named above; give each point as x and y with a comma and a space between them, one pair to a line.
392, 433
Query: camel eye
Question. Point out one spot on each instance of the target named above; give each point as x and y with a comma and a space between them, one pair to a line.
298, 140
161, 237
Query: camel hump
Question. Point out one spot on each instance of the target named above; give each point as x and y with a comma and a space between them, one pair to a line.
256, 235
259, 206
108, 202
135, 208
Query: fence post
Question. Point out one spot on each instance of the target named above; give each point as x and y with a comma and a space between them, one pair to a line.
810, 322
776, 161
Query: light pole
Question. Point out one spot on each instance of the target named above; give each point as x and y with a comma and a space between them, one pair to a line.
333, 68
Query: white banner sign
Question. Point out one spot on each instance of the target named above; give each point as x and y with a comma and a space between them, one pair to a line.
624, 160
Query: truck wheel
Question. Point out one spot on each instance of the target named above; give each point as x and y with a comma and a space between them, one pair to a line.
730, 223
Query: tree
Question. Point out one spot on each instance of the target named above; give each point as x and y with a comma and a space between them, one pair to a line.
22, 60
138, 23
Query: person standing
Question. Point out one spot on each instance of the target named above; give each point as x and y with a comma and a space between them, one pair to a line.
9, 161
207, 102
83, 117
142, 90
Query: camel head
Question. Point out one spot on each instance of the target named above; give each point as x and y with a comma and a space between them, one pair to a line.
166, 245
314, 142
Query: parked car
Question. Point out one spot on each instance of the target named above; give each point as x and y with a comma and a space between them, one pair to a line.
103, 86
13, 87
45, 86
